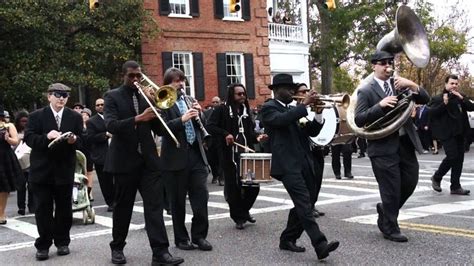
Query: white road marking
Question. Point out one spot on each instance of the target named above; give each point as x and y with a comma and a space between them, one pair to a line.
23, 227
418, 212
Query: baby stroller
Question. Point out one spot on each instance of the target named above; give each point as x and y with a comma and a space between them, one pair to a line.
80, 197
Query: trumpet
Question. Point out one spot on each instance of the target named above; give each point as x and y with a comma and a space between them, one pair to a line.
162, 97
328, 101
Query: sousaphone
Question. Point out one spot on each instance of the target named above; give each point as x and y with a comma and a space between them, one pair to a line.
409, 36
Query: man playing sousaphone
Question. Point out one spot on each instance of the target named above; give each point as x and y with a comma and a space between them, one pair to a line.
393, 157
292, 162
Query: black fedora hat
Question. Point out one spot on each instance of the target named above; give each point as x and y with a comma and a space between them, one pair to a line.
283, 80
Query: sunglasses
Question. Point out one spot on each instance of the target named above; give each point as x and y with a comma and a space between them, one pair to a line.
134, 75
59, 94
384, 62
240, 93
99, 104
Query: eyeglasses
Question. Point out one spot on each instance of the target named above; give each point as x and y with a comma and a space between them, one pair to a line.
215, 102
240, 93
302, 91
384, 62
134, 75
99, 104
59, 94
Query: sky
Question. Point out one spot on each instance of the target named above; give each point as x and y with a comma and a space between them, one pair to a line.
441, 9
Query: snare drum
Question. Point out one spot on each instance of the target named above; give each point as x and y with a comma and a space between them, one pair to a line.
335, 129
255, 167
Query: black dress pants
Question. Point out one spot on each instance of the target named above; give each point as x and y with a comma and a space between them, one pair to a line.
301, 216
454, 160
318, 158
192, 181
53, 214
346, 158
240, 198
126, 186
106, 182
397, 176
23, 188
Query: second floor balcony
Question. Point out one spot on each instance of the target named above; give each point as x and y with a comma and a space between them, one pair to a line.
285, 32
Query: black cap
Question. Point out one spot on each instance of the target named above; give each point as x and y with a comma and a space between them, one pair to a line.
58, 87
78, 104
283, 80
380, 55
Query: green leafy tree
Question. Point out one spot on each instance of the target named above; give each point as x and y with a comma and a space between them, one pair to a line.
43, 42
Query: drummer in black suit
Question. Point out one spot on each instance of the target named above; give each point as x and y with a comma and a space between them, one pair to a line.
232, 122
292, 162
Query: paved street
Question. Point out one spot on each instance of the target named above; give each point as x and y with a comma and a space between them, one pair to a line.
440, 227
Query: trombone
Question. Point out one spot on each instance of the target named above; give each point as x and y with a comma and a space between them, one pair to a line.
164, 97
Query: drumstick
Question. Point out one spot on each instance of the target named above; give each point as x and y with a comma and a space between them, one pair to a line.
243, 147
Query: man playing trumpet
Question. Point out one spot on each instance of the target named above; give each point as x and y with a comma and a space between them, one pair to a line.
292, 162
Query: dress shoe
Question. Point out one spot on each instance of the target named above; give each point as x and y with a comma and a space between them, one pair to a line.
251, 219
315, 213
118, 257
221, 183
239, 226
3, 221
214, 181
291, 246
166, 259
21, 211
63, 250
349, 176
338, 176
460, 191
110, 209
320, 213
324, 251
396, 237
435, 152
203, 244
42, 254
186, 245
380, 218
436, 185
361, 156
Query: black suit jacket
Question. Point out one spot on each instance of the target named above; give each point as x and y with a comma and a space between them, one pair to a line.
174, 158
119, 115
289, 142
97, 139
221, 124
449, 120
56, 165
368, 110
422, 117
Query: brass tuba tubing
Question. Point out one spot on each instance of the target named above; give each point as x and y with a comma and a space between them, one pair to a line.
154, 86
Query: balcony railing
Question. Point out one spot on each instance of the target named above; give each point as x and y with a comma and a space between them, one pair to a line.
284, 32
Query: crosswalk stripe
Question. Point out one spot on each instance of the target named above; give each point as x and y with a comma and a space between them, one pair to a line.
218, 205
418, 212
360, 189
22, 227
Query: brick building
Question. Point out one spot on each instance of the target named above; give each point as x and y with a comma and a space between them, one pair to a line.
212, 46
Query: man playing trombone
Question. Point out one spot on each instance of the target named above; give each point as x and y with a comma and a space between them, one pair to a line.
185, 167
232, 123
134, 161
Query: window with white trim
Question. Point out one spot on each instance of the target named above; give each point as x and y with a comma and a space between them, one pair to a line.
184, 61
179, 7
228, 14
235, 68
